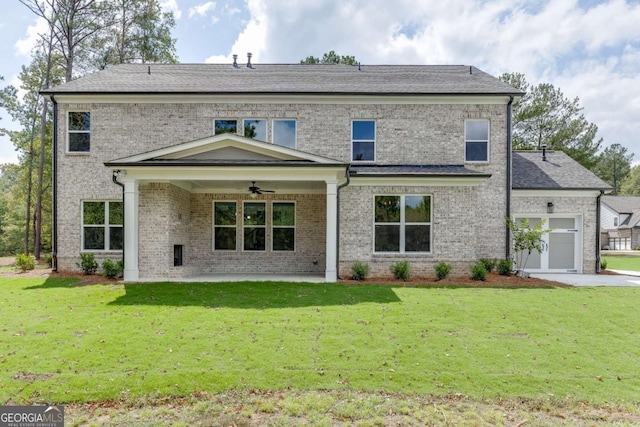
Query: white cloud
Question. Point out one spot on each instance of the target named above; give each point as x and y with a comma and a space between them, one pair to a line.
202, 10
171, 6
25, 46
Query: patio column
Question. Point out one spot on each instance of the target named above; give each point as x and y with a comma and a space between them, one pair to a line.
131, 272
330, 273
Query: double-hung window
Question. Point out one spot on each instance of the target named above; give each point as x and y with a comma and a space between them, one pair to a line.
224, 226
402, 224
283, 223
363, 140
79, 132
102, 226
284, 132
476, 136
254, 226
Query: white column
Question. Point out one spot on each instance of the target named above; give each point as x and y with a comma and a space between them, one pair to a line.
131, 272
330, 273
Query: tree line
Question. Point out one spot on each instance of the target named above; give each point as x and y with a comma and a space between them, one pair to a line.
87, 35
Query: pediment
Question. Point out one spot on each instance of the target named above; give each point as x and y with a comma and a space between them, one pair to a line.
226, 147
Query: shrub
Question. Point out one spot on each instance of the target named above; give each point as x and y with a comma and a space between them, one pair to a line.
603, 264
25, 262
442, 270
48, 258
400, 270
505, 267
359, 271
489, 264
111, 269
637, 248
478, 271
88, 263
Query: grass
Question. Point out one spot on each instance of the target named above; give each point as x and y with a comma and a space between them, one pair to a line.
629, 263
64, 343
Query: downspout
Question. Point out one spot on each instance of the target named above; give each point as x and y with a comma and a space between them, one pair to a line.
598, 231
348, 176
54, 213
114, 178
507, 242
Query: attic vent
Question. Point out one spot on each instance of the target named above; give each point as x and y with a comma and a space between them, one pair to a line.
249, 60
235, 60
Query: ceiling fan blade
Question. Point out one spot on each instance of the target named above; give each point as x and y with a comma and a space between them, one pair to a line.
268, 191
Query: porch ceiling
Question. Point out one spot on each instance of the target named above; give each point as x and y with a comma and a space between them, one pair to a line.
242, 186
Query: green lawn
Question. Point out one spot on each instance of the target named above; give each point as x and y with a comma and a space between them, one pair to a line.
63, 343
630, 263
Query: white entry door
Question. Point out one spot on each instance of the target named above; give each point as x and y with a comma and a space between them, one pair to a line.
564, 246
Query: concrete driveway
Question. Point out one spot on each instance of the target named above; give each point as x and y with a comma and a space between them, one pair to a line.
623, 278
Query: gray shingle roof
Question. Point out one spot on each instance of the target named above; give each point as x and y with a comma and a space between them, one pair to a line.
288, 79
558, 172
632, 221
415, 170
622, 204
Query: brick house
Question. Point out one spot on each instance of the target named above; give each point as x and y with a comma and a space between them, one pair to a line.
194, 169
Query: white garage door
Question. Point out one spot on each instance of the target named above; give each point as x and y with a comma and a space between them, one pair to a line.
564, 243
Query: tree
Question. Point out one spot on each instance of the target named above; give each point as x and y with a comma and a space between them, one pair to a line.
631, 185
138, 32
614, 165
525, 241
544, 116
330, 58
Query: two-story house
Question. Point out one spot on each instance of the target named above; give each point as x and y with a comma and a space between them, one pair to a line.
620, 224
190, 170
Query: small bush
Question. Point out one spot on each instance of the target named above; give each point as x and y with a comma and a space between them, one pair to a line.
88, 263
603, 264
489, 264
637, 248
400, 270
25, 262
442, 270
359, 271
111, 269
505, 267
478, 271
48, 258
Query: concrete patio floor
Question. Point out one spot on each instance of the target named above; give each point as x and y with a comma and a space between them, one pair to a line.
622, 278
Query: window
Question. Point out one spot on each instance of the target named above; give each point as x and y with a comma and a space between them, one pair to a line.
476, 136
284, 133
224, 226
615, 221
225, 126
255, 129
254, 227
79, 132
283, 221
402, 224
102, 226
363, 140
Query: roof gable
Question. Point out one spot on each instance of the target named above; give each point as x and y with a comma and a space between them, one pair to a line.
622, 204
224, 148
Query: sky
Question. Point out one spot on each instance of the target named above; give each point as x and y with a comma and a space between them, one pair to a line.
590, 49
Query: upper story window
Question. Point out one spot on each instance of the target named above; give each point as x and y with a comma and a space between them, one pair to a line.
363, 140
102, 226
402, 224
615, 221
255, 129
225, 126
476, 137
79, 128
284, 132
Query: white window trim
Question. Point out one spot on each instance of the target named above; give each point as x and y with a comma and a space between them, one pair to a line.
478, 140
266, 137
213, 223
273, 133
402, 225
294, 226
266, 219
106, 226
374, 140
213, 124
69, 131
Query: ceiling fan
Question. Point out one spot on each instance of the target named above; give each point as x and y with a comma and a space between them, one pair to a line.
257, 190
